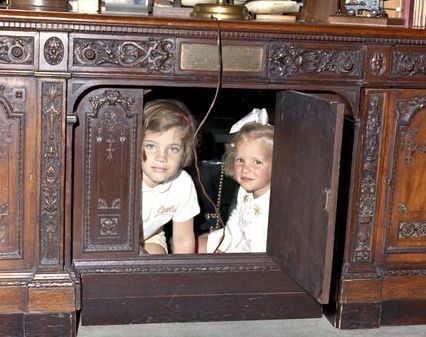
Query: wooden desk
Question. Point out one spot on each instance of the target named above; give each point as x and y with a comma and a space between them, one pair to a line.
71, 93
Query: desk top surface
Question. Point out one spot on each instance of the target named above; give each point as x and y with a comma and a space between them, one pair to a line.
68, 21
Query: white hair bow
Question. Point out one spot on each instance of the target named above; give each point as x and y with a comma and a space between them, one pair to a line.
256, 115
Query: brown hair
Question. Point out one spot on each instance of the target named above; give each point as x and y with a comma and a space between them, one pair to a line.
249, 132
163, 114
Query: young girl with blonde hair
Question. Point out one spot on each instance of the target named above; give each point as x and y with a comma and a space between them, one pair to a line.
248, 160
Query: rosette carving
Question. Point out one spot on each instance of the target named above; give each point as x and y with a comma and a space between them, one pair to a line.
377, 63
18, 50
54, 51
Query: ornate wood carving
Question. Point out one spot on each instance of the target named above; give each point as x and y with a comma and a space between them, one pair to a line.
16, 50
407, 108
407, 131
368, 191
412, 229
51, 213
403, 272
110, 155
411, 147
5, 138
384, 274
4, 212
287, 60
409, 64
11, 171
186, 266
149, 55
377, 63
54, 51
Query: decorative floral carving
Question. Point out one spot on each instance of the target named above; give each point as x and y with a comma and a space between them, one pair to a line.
11, 159
368, 191
4, 211
409, 64
109, 226
111, 131
110, 122
411, 147
406, 109
5, 127
412, 229
403, 272
152, 55
377, 63
54, 51
51, 209
286, 60
18, 50
103, 204
5, 137
402, 208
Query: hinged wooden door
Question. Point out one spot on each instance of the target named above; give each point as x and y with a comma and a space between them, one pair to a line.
307, 145
405, 213
107, 173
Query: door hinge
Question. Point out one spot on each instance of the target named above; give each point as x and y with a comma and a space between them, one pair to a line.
326, 199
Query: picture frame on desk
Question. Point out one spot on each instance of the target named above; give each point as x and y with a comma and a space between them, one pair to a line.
334, 12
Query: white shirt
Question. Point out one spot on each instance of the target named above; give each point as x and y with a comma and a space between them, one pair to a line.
174, 200
247, 227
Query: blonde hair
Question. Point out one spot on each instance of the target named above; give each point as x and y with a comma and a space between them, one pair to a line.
162, 115
249, 132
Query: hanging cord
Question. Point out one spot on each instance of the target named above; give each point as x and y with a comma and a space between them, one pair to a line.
216, 206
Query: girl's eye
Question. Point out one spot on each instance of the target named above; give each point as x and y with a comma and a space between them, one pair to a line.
149, 147
175, 149
239, 160
258, 162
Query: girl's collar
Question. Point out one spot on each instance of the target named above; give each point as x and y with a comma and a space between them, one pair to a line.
160, 188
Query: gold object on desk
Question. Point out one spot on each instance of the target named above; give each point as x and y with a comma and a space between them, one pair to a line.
204, 57
39, 5
220, 11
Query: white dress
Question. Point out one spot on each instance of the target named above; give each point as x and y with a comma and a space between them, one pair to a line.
174, 200
247, 227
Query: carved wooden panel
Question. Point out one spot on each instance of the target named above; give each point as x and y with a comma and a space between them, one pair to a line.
290, 60
378, 62
106, 216
409, 63
51, 207
53, 51
12, 139
18, 172
18, 50
407, 192
153, 55
367, 204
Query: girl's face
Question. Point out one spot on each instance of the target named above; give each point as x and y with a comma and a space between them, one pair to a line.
162, 154
253, 166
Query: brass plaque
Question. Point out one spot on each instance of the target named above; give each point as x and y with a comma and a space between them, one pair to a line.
204, 57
